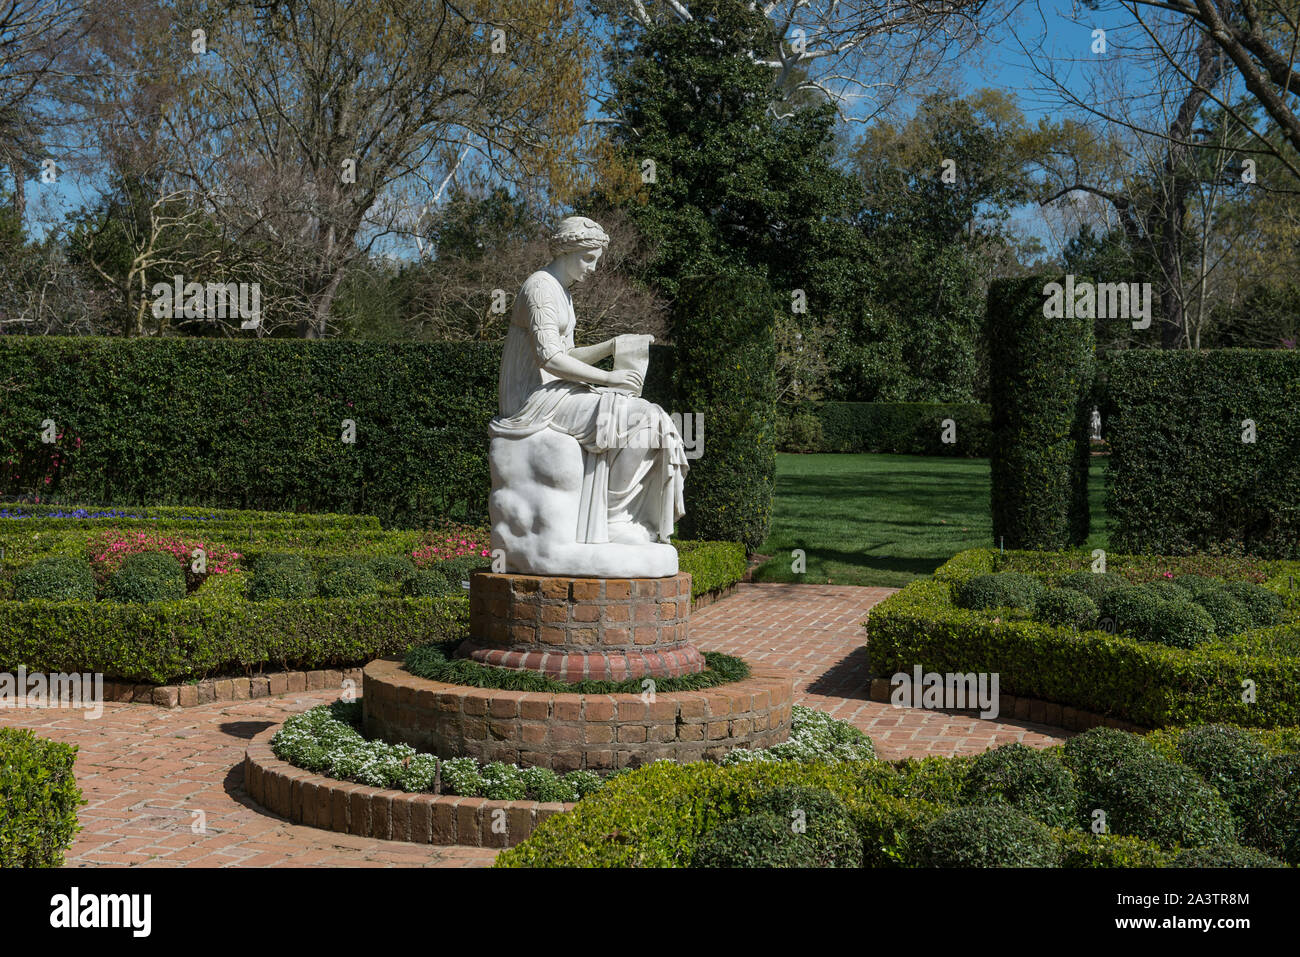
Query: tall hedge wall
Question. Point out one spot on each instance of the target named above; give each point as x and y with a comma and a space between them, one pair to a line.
259, 424
1041, 373
1180, 477
724, 369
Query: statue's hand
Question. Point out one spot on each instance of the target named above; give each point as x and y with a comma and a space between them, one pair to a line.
626, 379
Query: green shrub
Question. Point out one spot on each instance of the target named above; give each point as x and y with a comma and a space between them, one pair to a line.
1229, 759
827, 826
147, 576
1086, 849
1180, 624
711, 565
899, 428
1092, 758
1131, 609
989, 836
282, 576
1041, 372
1222, 855
1184, 481
430, 584
1160, 801
1272, 821
799, 431
1067, 609
1029, 780
1006, 590
1093, 584
59, 578
1227, 613
391, 569
1264, 607
346, 578
724, 367
39, 798
756, 840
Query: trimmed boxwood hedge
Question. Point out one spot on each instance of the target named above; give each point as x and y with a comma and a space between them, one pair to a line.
259, 423
1145, 683
900, 428
1179, 478
218, 631
39, 798
727, 374
1041, 373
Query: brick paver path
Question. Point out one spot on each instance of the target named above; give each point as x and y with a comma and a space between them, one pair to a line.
816, 631
146, 771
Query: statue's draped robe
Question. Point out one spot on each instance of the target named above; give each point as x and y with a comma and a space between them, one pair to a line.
634, 461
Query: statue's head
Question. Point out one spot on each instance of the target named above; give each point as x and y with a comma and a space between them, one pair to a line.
576, 247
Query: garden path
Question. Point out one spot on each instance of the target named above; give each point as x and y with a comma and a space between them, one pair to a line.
146, 772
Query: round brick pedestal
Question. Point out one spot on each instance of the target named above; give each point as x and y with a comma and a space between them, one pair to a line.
565, 732
605, 629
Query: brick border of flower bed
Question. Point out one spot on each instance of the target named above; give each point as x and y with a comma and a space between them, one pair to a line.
1034, 710
232, 689
417, 817
567, 732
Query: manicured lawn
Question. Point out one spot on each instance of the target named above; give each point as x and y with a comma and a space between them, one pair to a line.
883, 519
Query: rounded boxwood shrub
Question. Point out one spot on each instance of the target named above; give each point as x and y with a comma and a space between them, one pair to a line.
1093, 584
282, 576
1029, 780
1004, 590
1180, 624
1229, 759
1164, 802
1067, 609
346, 578
1092, 758
1225, 610
1264, 606
1222, 855
757, 840
1272, 822
147, 576
1130, 609
986, 836
60, 578
826, 822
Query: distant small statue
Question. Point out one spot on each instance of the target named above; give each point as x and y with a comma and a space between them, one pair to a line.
1096, 425
587, 476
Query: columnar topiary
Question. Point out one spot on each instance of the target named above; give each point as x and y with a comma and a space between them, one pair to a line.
1040, 391
724, 368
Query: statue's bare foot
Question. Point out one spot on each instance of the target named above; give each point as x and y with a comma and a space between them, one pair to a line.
628, 533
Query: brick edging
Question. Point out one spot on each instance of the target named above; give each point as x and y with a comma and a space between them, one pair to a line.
1035, 710
314, 800
231, 689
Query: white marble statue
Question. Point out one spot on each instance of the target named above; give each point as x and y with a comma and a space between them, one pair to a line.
586, 475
